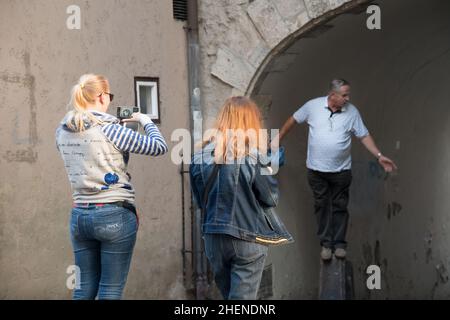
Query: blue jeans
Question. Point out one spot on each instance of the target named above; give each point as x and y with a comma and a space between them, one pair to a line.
103, 239
237, 265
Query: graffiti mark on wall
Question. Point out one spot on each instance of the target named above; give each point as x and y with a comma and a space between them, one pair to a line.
394, 208
441, 278
24, 132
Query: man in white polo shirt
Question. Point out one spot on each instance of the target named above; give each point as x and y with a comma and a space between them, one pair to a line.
332, 120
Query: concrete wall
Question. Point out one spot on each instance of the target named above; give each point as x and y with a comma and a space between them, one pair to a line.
399, 74
40, 60
398, 222
239, 41
255, 47
239, 38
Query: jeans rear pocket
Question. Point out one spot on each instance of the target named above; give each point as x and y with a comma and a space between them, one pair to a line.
109, 225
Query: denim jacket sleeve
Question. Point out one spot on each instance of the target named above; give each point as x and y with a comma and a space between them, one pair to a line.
265, 186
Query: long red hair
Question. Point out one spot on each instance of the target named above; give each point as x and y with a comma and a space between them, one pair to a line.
238, 130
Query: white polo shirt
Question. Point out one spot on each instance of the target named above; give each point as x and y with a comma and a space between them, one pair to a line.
330, 134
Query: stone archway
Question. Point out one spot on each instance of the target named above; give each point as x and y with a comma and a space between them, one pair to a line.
399, 77
243, 40
240, 38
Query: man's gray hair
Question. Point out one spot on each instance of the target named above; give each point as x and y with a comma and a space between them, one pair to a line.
337, 84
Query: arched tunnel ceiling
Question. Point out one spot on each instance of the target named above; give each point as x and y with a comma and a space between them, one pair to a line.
413, 35
400, 77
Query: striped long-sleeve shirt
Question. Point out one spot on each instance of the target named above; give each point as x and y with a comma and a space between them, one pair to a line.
127, 140
96, 159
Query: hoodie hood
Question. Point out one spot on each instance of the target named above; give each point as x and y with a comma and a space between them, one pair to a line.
88, 122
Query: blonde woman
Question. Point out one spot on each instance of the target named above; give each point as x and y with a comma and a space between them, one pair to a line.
233, 186
95, 148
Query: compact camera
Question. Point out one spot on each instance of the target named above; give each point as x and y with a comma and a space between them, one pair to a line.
124, 112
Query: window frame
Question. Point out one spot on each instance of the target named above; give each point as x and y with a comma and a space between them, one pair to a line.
151, 81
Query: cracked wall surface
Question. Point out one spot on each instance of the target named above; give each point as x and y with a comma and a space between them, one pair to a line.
239, 41
244, 46
238, 37
40, 60
284, 53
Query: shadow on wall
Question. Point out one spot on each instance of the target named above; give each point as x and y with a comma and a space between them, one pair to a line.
398, 221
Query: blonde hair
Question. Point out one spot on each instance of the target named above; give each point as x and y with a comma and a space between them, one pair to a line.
238, 130
83, 94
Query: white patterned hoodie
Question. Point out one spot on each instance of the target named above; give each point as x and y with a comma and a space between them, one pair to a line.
96, 159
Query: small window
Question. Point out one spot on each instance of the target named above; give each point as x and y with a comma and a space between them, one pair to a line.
147, 96
180, 10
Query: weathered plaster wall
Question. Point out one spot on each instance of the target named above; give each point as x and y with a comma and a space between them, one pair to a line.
399, 75
239, 37
40, 59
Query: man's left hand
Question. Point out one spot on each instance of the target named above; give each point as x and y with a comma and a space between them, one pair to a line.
387, 164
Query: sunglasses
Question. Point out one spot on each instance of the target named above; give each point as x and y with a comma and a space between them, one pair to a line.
111, 96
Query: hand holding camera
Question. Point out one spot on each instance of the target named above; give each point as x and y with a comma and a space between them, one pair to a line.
126, 113
132, 117
135, 117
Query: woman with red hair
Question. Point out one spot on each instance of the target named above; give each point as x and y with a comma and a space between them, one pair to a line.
232, 183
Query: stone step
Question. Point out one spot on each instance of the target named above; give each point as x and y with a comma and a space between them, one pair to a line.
336, 280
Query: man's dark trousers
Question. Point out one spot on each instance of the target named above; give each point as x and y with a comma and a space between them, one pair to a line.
331, 194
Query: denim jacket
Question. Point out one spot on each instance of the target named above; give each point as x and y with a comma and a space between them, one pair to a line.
241, 200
